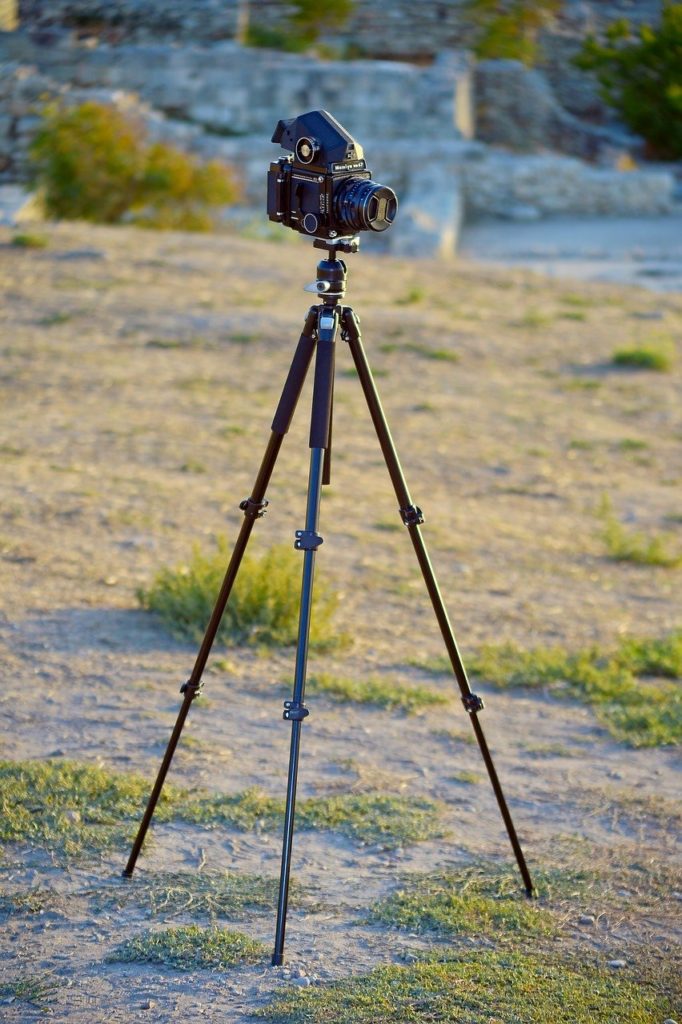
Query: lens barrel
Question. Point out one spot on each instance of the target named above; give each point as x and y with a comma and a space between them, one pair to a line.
361, 204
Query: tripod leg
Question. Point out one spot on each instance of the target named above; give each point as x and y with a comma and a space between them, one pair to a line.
307, 540
253, 508
412, 518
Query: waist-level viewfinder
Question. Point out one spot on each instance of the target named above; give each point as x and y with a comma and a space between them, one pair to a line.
323, 188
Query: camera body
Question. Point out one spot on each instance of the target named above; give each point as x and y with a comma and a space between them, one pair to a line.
324, 189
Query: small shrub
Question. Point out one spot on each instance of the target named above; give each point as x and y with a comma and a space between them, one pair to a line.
263, 606
640, 75
644, 357
308, 20
509, 29
91, 163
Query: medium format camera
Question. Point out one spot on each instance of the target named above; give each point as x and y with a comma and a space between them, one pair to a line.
323, 188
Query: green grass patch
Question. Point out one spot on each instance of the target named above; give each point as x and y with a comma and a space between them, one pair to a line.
582, 384
69, 807
377, 691
533, 318
467, 777
54, 319
202, 894
36, 988
192, 947
444, 355
30, 240
391, 821
573, 314
480, 900
642, 712
624, 545
78, 810
387, 525
412, 296
631, 444
264, 604
437, 666
35, 900
477, 988
659, 357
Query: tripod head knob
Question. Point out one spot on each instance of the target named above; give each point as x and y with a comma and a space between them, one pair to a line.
319, 287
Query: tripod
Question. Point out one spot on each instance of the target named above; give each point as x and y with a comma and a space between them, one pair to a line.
319, 332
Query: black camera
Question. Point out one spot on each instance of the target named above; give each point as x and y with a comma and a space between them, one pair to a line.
324, 188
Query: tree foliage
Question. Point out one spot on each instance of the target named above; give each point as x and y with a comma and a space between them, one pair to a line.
640, 75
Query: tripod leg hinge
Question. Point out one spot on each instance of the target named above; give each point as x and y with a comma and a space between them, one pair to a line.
473, 703
307, 540
412, 515
253, 509
194, 688
295, 711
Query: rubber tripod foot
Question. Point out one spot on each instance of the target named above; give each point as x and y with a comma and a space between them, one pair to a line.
126, 874
277, 959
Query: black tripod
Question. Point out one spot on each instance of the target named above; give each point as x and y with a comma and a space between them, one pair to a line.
320, 330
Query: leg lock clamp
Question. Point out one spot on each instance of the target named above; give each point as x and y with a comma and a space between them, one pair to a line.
295, 711
193, 688
253, 509
412, 515
307, 540
473, 703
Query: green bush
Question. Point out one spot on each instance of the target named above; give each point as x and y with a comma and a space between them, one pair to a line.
657, 357
308, 20
92, 163
509, 29
263, 606
640, 75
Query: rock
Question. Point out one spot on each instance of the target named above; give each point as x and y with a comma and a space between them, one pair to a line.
587, 920
617, 964
303, 982
517, 211
516, 107
18, 206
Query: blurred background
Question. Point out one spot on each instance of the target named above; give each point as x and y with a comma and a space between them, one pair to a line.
545, 133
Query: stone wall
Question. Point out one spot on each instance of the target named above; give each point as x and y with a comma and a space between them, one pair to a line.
405, 116
233, 90
516, 107
401, 28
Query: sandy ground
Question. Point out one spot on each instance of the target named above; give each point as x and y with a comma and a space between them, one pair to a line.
139, 376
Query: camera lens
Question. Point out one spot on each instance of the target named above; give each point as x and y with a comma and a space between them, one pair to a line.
365, 205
